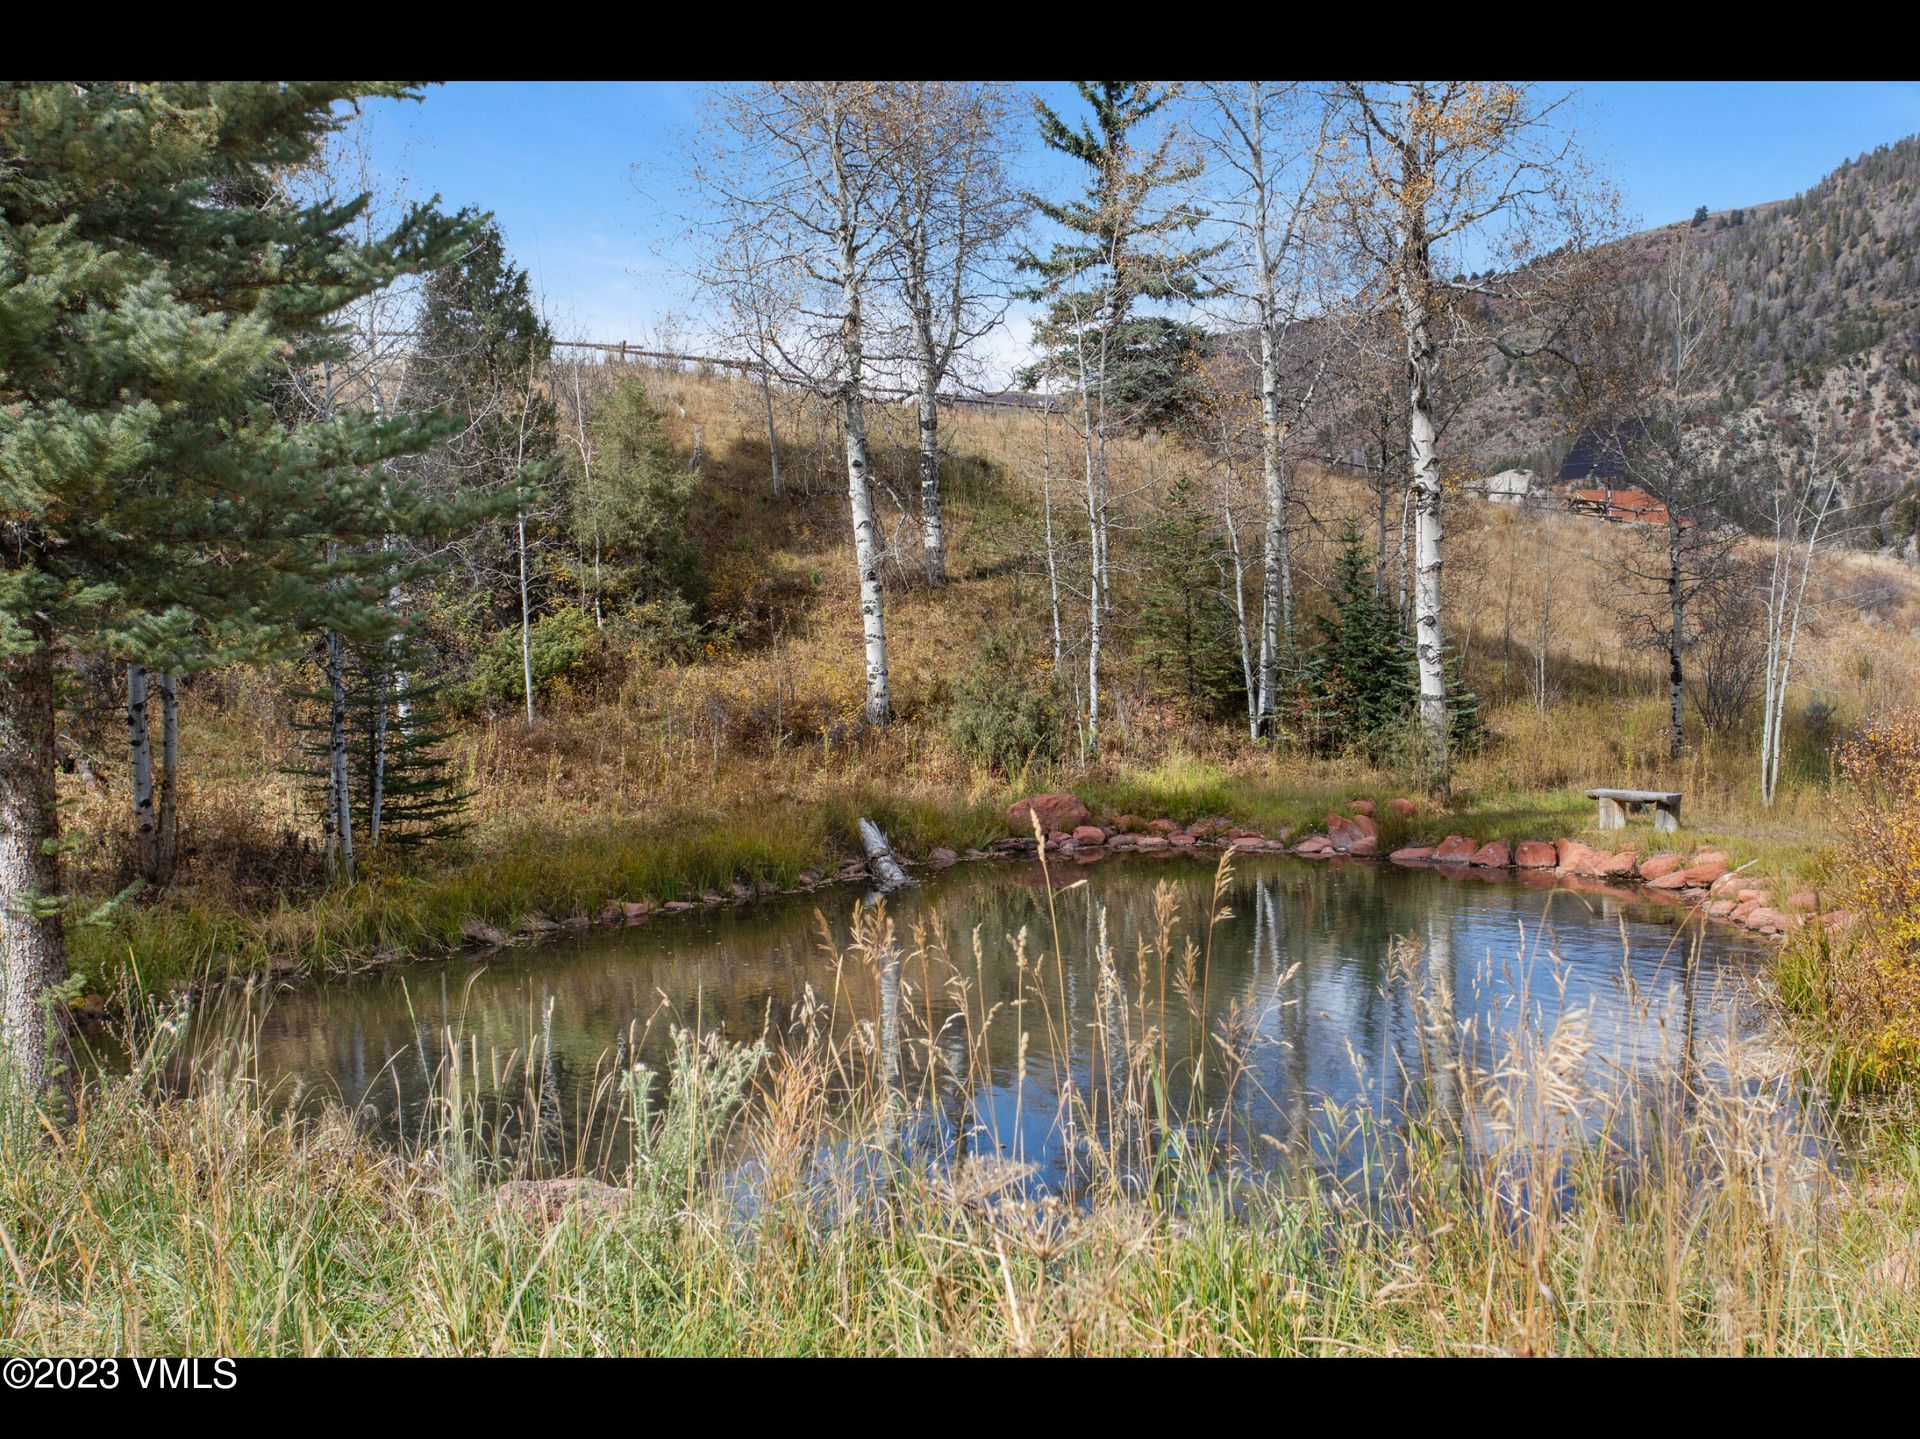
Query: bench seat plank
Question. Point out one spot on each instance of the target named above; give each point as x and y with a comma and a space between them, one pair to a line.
1615, 804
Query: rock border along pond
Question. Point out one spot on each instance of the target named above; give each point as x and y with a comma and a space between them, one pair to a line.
1704, 880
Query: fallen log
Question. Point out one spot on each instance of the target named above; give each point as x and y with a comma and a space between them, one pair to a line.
887, 872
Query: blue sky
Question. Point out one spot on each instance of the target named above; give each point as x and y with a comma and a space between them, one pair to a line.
587, 178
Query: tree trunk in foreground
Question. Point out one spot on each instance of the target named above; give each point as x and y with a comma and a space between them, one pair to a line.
35, 1056
866, 554
1428, 640
931, 540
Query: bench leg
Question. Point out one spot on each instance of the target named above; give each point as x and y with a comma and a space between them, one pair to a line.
1612, 816
1666, 818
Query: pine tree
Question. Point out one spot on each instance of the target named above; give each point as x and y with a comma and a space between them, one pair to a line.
1188, 640
641, 501
1371, 679
1128, 241
483, 346
157, 503
404, 790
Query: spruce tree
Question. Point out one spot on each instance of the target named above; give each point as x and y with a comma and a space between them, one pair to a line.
640, 504
1368, 669
1187, 639
1128, 240
157, 502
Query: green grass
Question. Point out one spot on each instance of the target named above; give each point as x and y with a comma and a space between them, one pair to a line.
514, 876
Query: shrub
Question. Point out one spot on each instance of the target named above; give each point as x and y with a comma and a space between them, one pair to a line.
1873, 986
1006, 708
563, 645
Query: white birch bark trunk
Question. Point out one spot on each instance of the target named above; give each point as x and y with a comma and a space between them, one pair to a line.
1676, 640
339, 793
526, 620
866, 557
1428, 633
932, 542
1046, 509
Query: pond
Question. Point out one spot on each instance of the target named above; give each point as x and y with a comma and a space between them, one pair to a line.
1295, 1011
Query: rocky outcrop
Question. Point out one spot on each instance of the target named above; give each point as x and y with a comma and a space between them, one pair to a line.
1535, 854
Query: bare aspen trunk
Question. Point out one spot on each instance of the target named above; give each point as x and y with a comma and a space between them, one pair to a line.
1046, 509
169, 773
1276, 608
773, 439
866, 557
1676, 638
1428, 637
931, 542
526, 620
1249, 668
377, 800
146, 825
35, 1055
339, 796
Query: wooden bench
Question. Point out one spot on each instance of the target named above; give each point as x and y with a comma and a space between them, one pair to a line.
1617, 804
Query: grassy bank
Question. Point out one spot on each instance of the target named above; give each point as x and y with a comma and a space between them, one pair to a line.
764, 830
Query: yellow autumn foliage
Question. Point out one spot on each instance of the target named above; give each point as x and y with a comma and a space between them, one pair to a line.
1875, 968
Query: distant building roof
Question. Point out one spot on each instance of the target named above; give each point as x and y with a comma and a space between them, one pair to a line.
1598, 453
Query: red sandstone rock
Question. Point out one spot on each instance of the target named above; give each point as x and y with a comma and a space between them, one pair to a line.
1057, 811
1405, 808
1719, 909
1771, 920
1571, 855
1314, 844
1612, 866
1412, 854
1163, 826
1672, 880
1089, 834
1535, 854
1344, 833
1152, 841
1454, 850
1492, 855
1366, 847
1361, 806
1707, 870
1654, 866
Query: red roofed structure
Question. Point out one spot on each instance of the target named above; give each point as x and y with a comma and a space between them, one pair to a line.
1630, 505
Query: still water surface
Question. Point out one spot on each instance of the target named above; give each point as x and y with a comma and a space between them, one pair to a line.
1332, 994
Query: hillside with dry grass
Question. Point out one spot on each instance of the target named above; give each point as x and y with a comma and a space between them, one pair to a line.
663, 778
